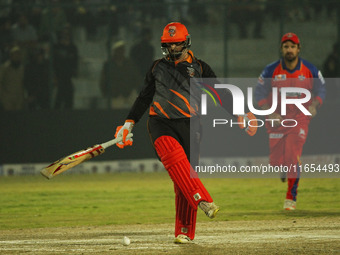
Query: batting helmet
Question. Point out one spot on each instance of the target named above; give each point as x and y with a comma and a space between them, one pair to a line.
175, 32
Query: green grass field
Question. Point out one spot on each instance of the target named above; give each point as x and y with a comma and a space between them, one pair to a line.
88, 200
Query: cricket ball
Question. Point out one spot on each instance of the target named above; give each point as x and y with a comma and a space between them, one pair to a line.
126, 241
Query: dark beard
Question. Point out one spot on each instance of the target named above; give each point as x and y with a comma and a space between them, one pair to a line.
175, 55
290, 59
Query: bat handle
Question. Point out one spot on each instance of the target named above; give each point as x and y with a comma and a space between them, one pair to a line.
114, 141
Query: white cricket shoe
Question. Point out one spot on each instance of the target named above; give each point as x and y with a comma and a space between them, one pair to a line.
289, 205
210, 209
182, 239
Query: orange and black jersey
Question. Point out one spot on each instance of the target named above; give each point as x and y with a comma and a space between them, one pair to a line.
167, 90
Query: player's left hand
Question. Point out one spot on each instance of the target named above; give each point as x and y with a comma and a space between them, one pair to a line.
249, 122
312, 110
123, 131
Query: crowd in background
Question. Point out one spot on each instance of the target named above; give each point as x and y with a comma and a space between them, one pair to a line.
38, 54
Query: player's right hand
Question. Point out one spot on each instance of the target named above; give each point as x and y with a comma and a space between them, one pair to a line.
244, 123
122, 132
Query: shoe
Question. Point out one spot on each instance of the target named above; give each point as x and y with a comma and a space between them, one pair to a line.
289, 205
210, 209
182, 239
283, 176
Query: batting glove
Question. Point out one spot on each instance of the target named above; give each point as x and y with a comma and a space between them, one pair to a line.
249, 122
123, 131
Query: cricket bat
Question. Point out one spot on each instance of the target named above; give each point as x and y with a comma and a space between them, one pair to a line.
77, 158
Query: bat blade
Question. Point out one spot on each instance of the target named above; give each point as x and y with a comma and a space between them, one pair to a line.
77, 158
71, 160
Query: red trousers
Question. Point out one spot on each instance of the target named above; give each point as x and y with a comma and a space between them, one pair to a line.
177, 145
286, 149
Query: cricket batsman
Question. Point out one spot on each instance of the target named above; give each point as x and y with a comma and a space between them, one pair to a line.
286, 143
173, 122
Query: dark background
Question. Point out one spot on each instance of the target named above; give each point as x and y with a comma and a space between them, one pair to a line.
45, 136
